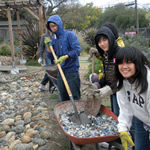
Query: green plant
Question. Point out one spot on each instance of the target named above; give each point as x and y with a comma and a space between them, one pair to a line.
5, 50
32, 62
54, 96
31, 39
98, 68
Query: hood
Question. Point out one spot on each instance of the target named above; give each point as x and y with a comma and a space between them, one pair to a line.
112, 43
57, 20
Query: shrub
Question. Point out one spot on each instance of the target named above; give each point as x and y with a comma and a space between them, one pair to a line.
5, 50
32, 62
83, 43
89, 36
31, 39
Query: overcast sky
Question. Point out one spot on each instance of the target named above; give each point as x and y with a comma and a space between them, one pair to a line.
107, 3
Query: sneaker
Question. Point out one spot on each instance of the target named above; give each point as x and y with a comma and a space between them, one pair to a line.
53, 89
42, 87
104, 145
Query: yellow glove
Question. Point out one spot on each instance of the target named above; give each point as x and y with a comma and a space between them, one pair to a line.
47, 41
125, 139
100, 76
61, 59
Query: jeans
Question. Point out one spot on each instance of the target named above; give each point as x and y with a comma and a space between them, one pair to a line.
114, 104
73, 80
46, 79
140, 135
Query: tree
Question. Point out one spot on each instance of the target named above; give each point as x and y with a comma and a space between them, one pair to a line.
79, 17
123, 17
53, 4
147, 16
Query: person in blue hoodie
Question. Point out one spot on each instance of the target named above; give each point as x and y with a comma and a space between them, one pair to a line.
67, 48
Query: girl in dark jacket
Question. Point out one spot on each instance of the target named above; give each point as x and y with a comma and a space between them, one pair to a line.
107, 48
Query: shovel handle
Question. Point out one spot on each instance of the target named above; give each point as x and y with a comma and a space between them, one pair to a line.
93, 63
65, 82
61, 72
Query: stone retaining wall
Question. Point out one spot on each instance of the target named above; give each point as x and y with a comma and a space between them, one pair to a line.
7, 60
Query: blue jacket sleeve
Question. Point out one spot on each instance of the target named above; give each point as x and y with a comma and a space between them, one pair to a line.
74, 45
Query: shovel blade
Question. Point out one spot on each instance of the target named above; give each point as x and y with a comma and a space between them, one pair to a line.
75, 119
82, 118
92, 106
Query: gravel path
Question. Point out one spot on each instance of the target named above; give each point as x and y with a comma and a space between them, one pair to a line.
27, 120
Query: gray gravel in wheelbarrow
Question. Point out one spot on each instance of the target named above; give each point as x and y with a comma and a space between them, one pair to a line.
100, 126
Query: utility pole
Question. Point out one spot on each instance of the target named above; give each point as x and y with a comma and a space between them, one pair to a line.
137, 19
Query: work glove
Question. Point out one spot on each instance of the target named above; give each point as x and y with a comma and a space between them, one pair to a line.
125, 139
40, 60
61, 59
47, 41
88, 90
93, 77
103, 92
94, 51
92, 104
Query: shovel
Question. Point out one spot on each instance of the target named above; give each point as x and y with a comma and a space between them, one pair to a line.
76, 118
92, 105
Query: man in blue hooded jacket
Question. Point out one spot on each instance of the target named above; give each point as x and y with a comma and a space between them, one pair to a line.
67, 48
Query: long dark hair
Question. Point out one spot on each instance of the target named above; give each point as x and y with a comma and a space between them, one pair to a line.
137, 57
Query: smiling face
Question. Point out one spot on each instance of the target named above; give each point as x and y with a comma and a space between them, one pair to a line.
103, 43
127, 69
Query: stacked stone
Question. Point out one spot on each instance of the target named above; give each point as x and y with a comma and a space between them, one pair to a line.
23, 114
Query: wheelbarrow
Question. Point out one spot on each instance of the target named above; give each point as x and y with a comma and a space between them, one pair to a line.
66, 107
51, 71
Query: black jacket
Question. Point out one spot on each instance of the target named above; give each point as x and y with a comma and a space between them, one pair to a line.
109, 60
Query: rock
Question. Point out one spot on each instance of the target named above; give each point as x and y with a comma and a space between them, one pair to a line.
19, 129
3, 142
8, 121
6, 128
13, 144
23, 146
9, 135
26, 139
2, 134
31, 132
45, 135
27, 114
39, 141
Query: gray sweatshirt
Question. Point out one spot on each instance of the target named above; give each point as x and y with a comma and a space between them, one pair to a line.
131, 103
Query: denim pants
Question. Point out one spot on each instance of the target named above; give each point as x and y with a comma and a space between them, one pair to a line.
140, 135
114, 104
73, 80
46, 79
